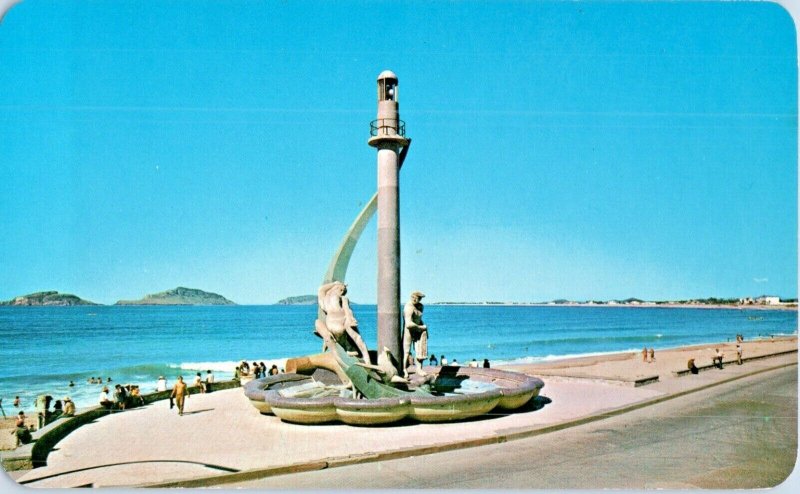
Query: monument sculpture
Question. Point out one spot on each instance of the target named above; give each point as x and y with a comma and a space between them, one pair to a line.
339, 323
342, 383
415, 332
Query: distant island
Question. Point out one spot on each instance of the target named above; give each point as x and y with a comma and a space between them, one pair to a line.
180, 296
299, 300
51, 298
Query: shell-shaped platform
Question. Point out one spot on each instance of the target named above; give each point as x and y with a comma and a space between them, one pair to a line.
513, 390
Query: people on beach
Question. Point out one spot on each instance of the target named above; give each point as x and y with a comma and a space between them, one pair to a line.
105, 402
42, 405
136, 396
198, 383
69, 407
179, 392
443, 360
16, 402
263, 369
473, 363
718, 356
652, 355
273, 371
161, 384
257, 370
644, 354
120, 396
209, 380
739, 354
58, 410
455, 362
1, 408
433, 361
692, 367
22, 433
486, 363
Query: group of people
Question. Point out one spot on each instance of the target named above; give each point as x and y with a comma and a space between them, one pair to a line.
61, 408
648, 356
258, 370
718, 357
123, 397
93, 380
434, 362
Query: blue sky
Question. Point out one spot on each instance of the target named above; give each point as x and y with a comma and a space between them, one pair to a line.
579, 150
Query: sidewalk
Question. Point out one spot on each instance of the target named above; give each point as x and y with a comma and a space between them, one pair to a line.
222, 438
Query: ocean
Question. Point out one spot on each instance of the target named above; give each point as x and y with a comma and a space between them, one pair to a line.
44, 348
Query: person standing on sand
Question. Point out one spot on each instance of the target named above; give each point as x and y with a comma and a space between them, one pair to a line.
161, 384
644, 354
739, 354
180, 391
718, 356
209, 380
198, 383
652, 355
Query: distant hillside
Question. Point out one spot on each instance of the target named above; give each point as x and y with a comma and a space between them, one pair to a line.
299, 300
180, 296
47, 298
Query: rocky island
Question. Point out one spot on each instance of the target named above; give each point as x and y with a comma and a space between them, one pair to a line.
298, 300
51, 298
180, 296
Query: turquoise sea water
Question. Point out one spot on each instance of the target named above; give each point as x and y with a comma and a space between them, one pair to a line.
43, 348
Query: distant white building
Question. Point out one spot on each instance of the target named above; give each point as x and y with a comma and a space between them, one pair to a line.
768, 300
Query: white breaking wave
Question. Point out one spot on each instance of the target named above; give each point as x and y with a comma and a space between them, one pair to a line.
552, 358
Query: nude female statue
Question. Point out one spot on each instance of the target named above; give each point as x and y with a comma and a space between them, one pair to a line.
339, 323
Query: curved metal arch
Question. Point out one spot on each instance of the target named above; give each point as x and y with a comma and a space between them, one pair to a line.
337, 269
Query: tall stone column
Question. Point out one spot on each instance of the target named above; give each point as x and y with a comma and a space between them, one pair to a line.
387, 136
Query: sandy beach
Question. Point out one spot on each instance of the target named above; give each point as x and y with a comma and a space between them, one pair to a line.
630, 366
7, 427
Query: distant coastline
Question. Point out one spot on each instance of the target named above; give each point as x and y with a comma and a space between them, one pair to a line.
645, 305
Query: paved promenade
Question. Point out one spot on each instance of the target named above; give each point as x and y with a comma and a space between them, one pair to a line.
222, 439
739, 435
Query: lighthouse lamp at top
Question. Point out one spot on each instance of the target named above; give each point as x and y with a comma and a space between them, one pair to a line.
388, 123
